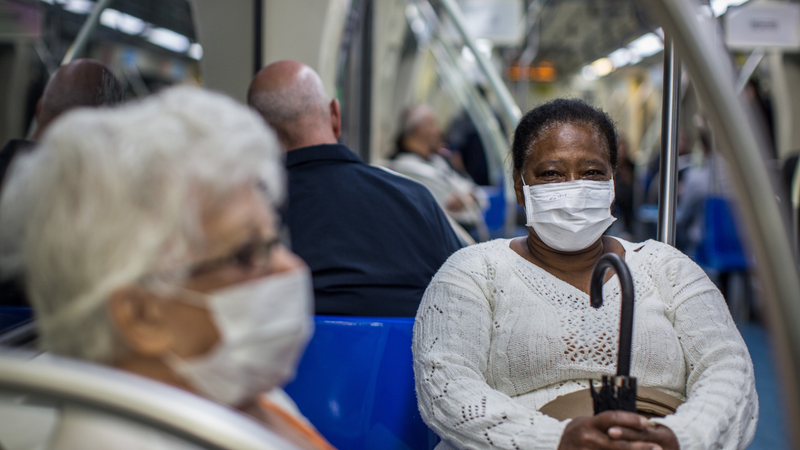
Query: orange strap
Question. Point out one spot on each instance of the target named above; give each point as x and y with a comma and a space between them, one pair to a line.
299, 428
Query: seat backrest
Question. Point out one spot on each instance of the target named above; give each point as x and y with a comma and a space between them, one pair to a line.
721, 248
355, 383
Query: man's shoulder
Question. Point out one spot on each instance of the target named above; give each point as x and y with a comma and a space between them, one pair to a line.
394, 177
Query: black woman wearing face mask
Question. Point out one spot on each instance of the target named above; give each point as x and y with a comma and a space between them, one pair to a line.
506, 328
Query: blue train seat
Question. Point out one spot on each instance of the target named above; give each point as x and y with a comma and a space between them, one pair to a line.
355, 383
495, 215
721, 248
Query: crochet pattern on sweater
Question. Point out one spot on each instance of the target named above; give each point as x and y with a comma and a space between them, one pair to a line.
497, 337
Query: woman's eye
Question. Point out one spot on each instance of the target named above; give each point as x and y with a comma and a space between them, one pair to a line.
593, 173
548, 173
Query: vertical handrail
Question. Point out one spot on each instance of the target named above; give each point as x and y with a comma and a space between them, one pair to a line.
745, 145
88, 27
668, 175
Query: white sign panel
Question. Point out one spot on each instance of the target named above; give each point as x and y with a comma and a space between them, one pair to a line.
500, 21
765, 24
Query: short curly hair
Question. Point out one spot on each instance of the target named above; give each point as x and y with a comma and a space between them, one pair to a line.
558, 112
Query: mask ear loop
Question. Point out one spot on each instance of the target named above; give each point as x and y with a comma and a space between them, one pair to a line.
528, 202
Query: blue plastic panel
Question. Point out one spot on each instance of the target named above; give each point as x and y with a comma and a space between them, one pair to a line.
355, 383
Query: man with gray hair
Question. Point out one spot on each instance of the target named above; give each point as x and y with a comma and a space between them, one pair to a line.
147, 236
373, 239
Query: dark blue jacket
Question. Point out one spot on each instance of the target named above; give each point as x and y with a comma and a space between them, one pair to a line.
373, 239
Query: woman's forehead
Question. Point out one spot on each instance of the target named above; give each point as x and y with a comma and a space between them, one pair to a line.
556, 138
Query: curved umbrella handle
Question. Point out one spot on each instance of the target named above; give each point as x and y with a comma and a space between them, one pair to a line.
613, 261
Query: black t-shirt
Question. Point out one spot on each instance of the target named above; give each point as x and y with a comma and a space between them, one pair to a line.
373, 239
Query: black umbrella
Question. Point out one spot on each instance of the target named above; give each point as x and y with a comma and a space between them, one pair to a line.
618, 392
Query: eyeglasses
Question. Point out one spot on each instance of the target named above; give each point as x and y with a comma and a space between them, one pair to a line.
250, 256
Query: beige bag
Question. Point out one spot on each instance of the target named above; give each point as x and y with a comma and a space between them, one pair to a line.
649, 403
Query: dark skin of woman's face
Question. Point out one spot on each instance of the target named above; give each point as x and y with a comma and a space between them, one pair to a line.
571, 152
565, 152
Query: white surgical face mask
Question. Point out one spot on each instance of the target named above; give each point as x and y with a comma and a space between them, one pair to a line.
264, 327
569, 216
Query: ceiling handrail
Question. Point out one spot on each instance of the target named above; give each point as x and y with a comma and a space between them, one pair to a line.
744, 145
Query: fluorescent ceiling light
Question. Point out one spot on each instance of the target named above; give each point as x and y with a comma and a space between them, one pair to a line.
602, 67
169, 39
123, 22
78, 6
588, 73
621, 57
467, 54
135, 26
484, 46
647, 45
195, 51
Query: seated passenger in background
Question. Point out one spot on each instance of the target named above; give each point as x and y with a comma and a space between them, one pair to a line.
418, 147
148, 240
81, 83
373, 239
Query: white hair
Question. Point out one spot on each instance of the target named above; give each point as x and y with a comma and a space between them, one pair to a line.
414, 116
113, 195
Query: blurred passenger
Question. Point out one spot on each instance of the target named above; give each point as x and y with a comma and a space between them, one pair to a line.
373, 239
148, 240
81, 83
623, 189
418, 157
696, 186
463, 138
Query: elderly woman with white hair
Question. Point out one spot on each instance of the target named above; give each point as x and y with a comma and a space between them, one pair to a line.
148, 240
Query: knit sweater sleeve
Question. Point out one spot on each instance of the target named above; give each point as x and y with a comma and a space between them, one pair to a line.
721, 410
452, 335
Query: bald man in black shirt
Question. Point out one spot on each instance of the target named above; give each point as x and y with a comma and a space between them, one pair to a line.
373, 239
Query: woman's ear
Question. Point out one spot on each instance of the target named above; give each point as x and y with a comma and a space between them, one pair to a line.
518, 188
138, 316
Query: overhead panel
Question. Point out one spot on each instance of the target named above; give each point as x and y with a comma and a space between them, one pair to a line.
574, 33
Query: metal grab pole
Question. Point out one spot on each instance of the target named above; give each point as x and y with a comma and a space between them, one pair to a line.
86, 30
742, 142
668, 175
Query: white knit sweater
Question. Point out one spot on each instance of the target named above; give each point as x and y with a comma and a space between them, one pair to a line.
496, 338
